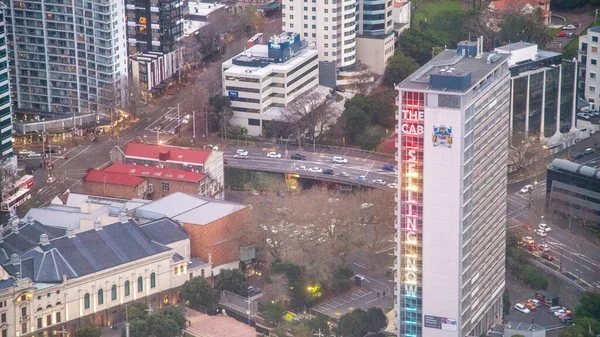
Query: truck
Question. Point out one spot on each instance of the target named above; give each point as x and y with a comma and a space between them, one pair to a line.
546, 298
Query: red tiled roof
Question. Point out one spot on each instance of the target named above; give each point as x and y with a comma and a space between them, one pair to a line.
512, 4
155, 172
167, 153
115, 178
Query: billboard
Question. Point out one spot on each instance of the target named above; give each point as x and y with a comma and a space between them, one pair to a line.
437, 322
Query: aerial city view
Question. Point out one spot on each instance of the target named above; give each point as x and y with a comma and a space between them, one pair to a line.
344, 168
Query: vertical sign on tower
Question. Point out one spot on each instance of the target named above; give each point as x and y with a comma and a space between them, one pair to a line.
411, 212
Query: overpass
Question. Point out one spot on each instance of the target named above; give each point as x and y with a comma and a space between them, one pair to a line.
257, 161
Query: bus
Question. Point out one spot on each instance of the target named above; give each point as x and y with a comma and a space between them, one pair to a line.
18, 195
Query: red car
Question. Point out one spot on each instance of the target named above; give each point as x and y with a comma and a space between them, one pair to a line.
562, 34
547, 256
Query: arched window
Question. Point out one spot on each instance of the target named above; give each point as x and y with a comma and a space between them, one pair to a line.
140, 284
126, 288
180, 269
100, 297
113, 292
175, 271
153, 280
86, 301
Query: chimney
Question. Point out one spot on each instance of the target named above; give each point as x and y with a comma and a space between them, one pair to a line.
97, 224
123, 216
30, 219
44, 239
14, 225
70, 232
15, 259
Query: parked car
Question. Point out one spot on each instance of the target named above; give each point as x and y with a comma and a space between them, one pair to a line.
379, 182
389, 167
315, 170
583, 116
544, 227
570, 34
554, 308
589, 150
593, 113
530, 306
527, 189
298, 156
340, 89
561, 34
569, 27
328, 171
534, 301
577, 156
343, 174
340, 160
520, 307
273, 155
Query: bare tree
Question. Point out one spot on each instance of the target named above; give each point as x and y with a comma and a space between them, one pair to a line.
8, 178
363, 80
134, 99
303, 114
525, 150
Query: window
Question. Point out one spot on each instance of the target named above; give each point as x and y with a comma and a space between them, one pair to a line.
314, 35
306, 10
4, 333
592, 75
326, 28
305, 34
305, 25
100, 297
113, 293
48, 320
24, 328
165, 187
326, 45
326, 54
594, 49
291, 25
153, 280
592, 89
140, 284
86, 301
594, 39
39, 323
254, 122
314, 26
23, 311
594, 61
291, 17
180, 269
306, 17
3, 318
175, 271
127, 291
314, 9
58, 317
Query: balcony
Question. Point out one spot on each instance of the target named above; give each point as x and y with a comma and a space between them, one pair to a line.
397, 197
397, 128
396, 156
396, 213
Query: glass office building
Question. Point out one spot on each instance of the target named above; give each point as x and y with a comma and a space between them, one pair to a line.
543, 91
6, 150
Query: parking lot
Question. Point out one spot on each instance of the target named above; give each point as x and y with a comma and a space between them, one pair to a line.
363, 298
540, 315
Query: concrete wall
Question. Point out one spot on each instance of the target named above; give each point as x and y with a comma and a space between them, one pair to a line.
113, 190
374, 52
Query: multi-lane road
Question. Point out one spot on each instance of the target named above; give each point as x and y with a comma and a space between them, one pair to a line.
574, 254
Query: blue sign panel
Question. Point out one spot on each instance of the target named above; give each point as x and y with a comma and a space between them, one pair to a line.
233, 94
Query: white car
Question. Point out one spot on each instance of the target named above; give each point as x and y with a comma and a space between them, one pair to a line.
242, 152
340, 160
34, 155
544, 227
527, 189
273, 155
185, 121
534, 301
50, 180
315, 170
379, 181
392, 185
343, 174
582, 115
540, 232
569, 27
24, 152
301, 168
241, 155
560, 312
520, 307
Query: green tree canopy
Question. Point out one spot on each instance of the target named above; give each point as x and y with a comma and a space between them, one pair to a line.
136, 311
589, 305
516, 27
355, 122
398, 68
420, 44
88, 331
274, 312
582, 327
353, 324
232, 280
376, 319
198, 292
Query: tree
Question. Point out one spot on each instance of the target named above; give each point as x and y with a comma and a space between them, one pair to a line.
399, 67
582, 327
516, 26
376, 222
198, 292
304, 113
524, 151
383, 106
176, 314
232, 280
137, 311
363, 79
274, 312
168, 322
589, 305
353, 324
138, 328
371, 137
163, 326
319, 324
133, 98
532, 277
355, 121
88, 330
376, 319
341, 280
220, 114
420, 44
8, 178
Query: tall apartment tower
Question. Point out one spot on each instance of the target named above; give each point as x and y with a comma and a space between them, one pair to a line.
453, 116
68, 56
6, 150
153, 25
330, 25
375, 33
589, 71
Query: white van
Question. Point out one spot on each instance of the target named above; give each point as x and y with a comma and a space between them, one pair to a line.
340, 160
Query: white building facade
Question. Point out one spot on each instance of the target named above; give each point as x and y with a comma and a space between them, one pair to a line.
589, 70
330, 25
451, 202
259, 88
68, 56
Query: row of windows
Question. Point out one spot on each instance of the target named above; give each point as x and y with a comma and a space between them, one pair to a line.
113, 291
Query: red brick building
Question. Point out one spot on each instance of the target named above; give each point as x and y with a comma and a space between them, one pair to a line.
162, 181
114, 184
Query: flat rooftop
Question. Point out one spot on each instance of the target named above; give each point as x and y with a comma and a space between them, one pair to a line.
204, 8
259, 53
478, 67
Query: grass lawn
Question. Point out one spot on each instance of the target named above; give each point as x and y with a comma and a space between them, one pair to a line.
432, 9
